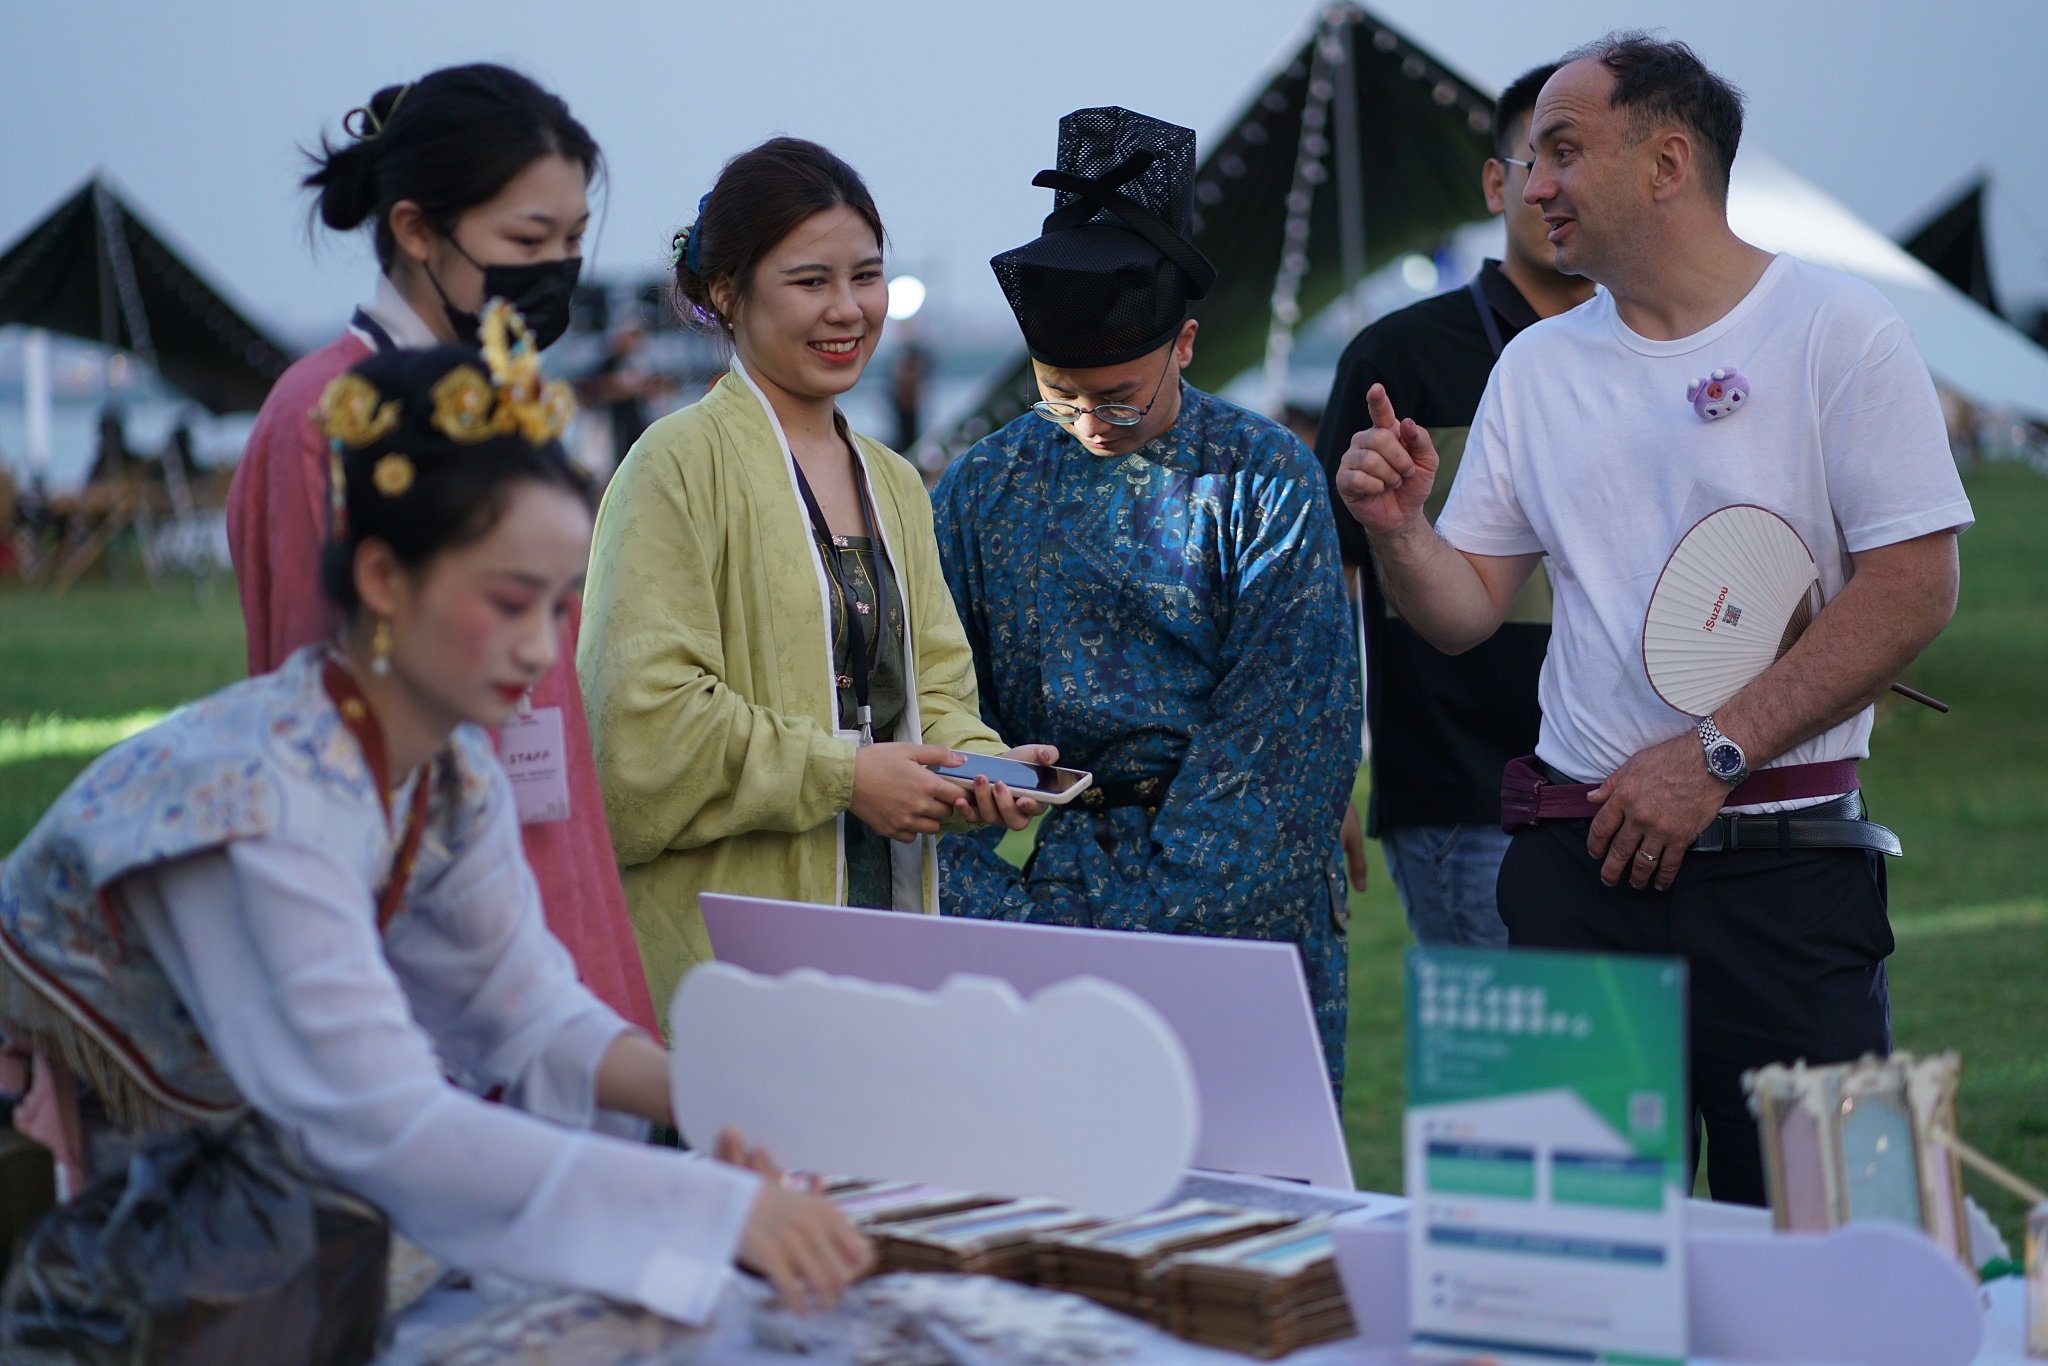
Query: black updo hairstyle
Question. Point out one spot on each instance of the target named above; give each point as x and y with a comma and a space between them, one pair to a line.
456, 491
761, 197
448, 142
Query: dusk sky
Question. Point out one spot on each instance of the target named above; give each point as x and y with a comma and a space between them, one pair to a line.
197, 109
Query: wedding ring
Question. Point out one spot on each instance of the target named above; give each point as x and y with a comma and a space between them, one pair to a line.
1646, 856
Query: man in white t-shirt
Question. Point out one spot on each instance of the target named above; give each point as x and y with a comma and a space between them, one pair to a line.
1641, 827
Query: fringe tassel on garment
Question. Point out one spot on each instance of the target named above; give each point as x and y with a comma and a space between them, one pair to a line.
132, 1102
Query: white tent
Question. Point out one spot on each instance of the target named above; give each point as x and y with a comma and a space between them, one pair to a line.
1969, 349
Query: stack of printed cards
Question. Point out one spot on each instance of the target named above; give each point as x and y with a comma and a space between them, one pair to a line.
1112, 1262
1265, 1295
996, 1240
866, 1203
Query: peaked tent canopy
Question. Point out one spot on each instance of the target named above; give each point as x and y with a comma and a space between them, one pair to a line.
93, 269
1952, 243
1360, 148
1421, 133
1969, 350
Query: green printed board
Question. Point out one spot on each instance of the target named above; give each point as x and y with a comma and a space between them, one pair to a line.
1546, 1152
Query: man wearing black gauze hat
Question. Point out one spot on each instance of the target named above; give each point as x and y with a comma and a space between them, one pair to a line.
1150, 579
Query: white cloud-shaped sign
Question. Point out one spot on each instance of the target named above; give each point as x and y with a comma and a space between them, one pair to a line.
1083, 1093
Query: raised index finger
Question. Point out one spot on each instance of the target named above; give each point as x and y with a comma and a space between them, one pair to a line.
1381, 407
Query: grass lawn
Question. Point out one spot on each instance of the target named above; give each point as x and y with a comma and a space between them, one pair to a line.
1967, 792
99, 651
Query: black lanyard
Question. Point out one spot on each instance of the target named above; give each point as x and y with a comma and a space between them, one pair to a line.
849, 605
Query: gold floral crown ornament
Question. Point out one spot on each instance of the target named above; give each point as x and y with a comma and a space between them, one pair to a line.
353, 414
350, 413
517, 399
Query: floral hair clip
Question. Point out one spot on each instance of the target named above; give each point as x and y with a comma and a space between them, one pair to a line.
350, 413
353, 414
685, 248
516, 399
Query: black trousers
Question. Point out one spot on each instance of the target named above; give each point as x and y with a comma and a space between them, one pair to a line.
1785, 949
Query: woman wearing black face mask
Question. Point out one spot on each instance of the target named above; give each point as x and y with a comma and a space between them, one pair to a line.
474, 181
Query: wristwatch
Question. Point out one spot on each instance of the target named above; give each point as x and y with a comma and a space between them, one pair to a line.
1725, 759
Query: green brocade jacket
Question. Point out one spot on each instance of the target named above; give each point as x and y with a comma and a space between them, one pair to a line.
706, 668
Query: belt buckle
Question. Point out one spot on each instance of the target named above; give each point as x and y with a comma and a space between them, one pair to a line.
1716, 838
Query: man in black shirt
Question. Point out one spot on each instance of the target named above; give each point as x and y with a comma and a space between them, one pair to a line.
1444, 726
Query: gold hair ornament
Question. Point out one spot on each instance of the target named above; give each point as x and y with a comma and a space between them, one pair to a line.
392, 475
337, 494
350, 413
516, 399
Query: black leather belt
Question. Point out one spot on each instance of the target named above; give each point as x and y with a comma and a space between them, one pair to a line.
1838, 824
1145, 792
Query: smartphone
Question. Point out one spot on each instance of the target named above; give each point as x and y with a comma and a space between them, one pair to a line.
1040, 782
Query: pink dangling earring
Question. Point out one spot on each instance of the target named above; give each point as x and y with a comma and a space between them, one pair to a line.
380, 649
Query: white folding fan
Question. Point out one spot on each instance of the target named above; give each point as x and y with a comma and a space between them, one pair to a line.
1737, 592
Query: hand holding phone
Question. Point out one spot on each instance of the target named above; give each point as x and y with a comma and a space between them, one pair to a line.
897, 791
1035, 782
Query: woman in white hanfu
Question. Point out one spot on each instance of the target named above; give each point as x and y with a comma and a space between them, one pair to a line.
304, 895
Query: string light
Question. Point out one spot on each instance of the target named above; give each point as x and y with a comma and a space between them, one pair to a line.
1309, 172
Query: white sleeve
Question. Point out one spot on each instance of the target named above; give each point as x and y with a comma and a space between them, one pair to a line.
1890, 474
272, 947
1483, 515
493, 988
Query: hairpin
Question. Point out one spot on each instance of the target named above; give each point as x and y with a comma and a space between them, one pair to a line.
686, 247
366, 118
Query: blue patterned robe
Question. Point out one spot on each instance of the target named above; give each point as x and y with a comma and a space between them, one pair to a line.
1179, 609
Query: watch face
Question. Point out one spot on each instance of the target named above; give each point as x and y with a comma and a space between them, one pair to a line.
1724, 760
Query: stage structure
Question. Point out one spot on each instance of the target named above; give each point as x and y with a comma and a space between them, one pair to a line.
1360, 148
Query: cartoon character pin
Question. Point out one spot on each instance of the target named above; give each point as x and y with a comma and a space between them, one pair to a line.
1719, 394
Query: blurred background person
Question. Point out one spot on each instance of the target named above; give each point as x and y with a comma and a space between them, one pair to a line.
473, 181
624, 386
907, 371
111, 456
1443, 726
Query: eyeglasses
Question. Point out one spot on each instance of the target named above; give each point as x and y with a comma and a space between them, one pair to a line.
1115, 414
1528, 166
